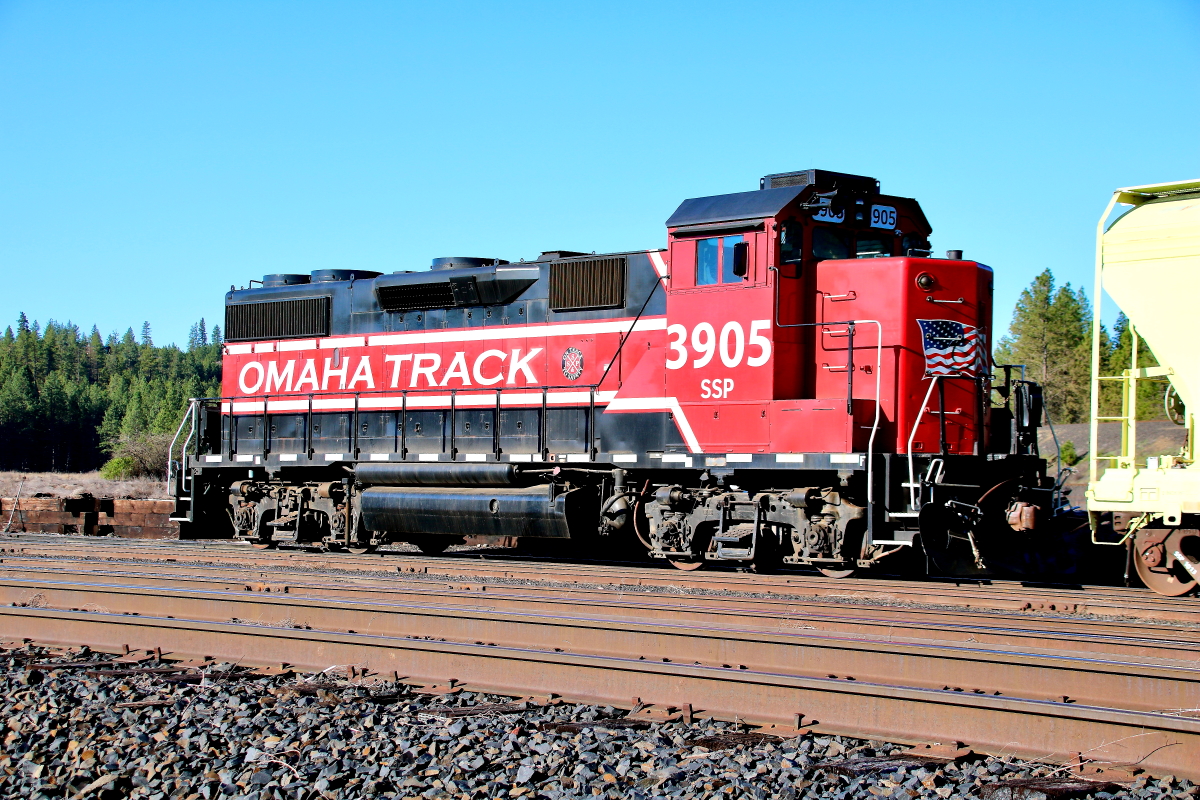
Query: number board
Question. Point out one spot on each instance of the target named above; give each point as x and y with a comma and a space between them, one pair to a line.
827, 215
883, 217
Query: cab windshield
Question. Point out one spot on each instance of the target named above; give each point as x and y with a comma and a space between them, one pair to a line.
828, 242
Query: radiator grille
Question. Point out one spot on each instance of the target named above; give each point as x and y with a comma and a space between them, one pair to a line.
794, 179
587, 284
415, 296
277, 319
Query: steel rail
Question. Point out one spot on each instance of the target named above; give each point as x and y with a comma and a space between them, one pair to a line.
1140, 684
1093, 637
1158, 742
1003, 595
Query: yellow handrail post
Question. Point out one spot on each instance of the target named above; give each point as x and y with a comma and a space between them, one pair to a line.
1130, 422
1097, 302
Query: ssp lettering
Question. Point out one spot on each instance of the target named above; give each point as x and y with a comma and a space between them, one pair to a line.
716, 388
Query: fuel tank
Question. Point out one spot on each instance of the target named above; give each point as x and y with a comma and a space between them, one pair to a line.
475, 511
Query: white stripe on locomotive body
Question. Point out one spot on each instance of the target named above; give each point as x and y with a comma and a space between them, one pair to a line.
660, 266
342, 341
394, 403
670, 404
294, 345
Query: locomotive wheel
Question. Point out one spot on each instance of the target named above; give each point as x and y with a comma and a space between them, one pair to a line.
834, 572
358, 551
261, 545
686, 566
1153, 556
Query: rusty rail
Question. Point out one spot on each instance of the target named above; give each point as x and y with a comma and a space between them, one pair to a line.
991, 594
1041, 702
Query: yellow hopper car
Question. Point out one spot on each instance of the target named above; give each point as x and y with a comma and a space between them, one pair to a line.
1148, 261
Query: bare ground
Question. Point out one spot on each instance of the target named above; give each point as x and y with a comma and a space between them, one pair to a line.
72, 484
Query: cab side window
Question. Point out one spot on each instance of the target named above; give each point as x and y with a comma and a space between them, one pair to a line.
715, 259
707, 255
728, 248
791, 243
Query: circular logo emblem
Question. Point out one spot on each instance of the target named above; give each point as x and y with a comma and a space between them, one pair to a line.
572, 363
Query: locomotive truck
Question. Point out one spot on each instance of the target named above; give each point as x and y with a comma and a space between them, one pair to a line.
793, 379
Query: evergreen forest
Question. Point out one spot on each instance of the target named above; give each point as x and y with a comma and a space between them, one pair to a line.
72, 402
75, 402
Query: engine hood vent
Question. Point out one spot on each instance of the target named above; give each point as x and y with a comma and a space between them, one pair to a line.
451, 287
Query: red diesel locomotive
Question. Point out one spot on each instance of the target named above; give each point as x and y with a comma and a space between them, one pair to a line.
792, 380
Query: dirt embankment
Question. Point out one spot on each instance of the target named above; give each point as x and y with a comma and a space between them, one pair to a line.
74, 484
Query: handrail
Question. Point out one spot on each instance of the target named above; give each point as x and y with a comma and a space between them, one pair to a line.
849, 377
190, 414
912, 475
1097, 300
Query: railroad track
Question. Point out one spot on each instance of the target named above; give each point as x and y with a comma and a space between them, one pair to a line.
1005, 681
987, 594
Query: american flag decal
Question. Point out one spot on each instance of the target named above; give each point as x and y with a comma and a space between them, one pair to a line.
952, 349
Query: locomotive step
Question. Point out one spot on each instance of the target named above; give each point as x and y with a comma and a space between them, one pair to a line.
734, 552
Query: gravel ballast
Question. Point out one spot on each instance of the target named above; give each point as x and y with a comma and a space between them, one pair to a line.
220, 733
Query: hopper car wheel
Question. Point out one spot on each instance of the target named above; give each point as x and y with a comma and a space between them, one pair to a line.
834, 572
258, 544
686, 566
358, 551
1154, 555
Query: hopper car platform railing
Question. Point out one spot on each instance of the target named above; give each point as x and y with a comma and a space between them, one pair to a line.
1128, 385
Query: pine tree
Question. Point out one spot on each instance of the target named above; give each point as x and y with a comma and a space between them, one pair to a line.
1116, 360
147, 339
1051, 335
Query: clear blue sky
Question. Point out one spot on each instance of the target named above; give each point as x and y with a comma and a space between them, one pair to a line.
152, 154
